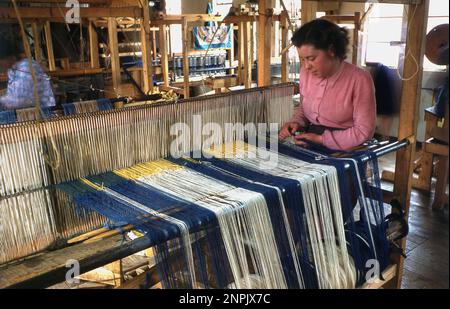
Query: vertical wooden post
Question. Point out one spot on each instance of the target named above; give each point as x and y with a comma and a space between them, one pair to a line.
230, 51
36, 42
49, 45
309, 10
241, 55
355, 58
114, 53
163, 51
93, 46
247, 74
284, 44
185, 57
415, 45
264, 48
155, 53
146, 46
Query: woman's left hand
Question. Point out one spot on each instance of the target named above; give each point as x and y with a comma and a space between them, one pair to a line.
315, 138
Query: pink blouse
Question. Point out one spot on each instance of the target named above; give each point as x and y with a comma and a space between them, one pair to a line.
343, 101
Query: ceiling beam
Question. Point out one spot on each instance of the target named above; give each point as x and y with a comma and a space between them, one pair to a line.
8, 13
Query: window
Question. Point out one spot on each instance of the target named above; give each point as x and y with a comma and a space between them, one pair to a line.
383, 33
173, 7
384, 41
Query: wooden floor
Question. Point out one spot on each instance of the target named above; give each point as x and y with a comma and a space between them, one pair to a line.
426, 265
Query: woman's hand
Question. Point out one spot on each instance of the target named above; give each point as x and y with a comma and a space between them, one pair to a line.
312, 137
288, 129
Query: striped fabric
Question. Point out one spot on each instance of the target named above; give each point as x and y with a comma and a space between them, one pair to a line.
234, 223
87, 106
25, 114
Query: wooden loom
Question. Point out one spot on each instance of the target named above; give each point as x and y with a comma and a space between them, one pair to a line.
31, 190
26, 274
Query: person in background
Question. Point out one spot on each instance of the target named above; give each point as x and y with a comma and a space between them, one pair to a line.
20, 86
337, 99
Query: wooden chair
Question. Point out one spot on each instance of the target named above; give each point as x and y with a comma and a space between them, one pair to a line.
435, 146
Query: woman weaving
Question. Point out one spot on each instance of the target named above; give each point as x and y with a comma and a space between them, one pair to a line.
337, 107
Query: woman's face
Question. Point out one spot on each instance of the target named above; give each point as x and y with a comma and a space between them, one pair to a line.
320, 63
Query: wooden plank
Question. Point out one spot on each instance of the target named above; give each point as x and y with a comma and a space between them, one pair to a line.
357, 23
247, 73
415, 43
148, 278
147, 72
146, 45
93, 46
230, 52
241, 55
264, 44
284, 44
431, 146
387, 275
114, 51
49, 46
54, 12
440, 198
75, 72
309, 10
36, 42
177, 90
164, 56
49, 268
65, 1
185, 39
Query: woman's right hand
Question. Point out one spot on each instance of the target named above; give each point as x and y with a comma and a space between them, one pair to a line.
288, 129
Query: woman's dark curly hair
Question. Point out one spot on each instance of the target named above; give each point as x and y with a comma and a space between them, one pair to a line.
324, 35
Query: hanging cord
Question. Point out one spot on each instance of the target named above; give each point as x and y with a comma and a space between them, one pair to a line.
30, 63
408, 52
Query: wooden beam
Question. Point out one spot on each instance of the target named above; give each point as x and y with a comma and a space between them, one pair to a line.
387, 275
357, 22
49, 268
284, 44
75, 72
65, 1
114, 51
415, 45
247, 73
241, 54
264, 47
230, 52
49, 46
93, 46
163, 52
185, 39
50, 13
309, 10
178, 19
36, 42
146, 46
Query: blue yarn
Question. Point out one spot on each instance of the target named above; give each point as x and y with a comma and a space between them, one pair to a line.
8, 117
293, 201
158, 230
372, 192
104, 104
69, 109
